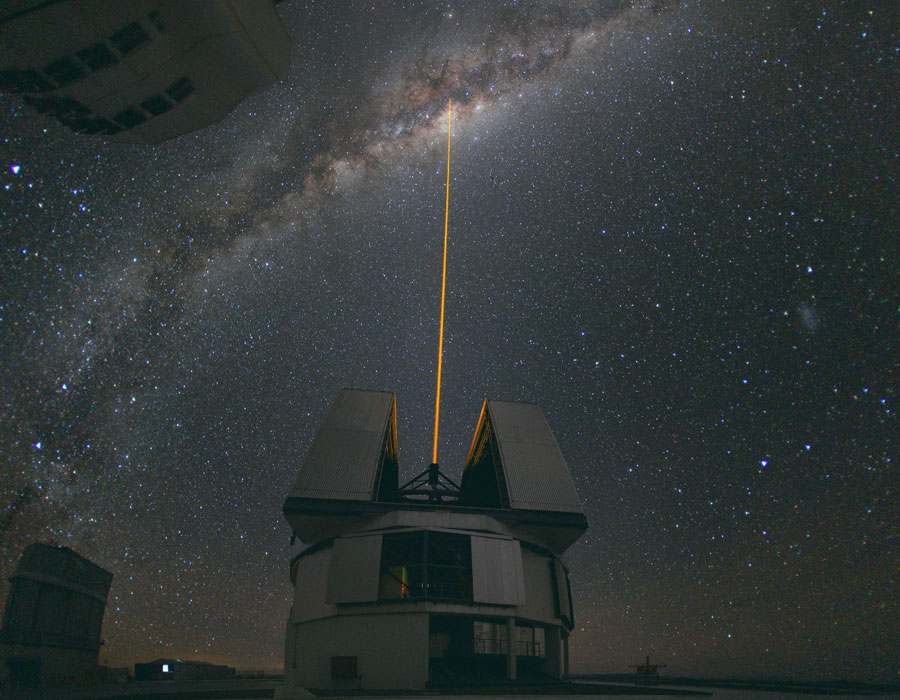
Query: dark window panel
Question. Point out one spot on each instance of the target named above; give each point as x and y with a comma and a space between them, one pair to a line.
35, 82
107, 127
95, 125
64, 71
449, 566
402, 566
84, 126
426, 565
66, 107
44, 105
97, 56
156, 19
180, 89
9, 81
26, 81
157, 104
130, 38
130, 117
71, 113
59, 107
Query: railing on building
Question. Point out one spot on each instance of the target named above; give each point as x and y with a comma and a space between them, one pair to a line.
500, 646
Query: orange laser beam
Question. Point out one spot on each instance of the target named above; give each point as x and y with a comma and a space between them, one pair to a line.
437, 400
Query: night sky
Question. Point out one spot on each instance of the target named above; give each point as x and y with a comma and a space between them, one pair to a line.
673, 226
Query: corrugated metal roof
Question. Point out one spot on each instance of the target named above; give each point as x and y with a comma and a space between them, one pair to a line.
343, 460
536, 474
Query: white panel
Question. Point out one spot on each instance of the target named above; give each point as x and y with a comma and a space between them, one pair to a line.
310, 586
497, 575
540, 590
353, 574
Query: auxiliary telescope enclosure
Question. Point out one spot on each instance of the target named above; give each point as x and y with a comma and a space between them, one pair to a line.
53, 616
429, 583
143, 71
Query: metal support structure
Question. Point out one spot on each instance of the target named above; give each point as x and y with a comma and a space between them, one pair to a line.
511, 648
431, 486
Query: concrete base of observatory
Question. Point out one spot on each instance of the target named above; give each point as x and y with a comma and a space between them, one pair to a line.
286, 692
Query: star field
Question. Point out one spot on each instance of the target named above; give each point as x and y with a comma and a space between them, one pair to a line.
673, 226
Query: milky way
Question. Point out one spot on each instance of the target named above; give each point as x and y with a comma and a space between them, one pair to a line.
407, 111
673, 226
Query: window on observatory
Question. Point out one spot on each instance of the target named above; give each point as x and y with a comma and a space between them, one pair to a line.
402, 566
426, 565
97, 56
180, 89
25, 81
156, 105
64, 71
449, 566
130, 117
156, 19
129, 38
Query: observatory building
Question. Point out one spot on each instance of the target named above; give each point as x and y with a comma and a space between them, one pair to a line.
54, 612
429, 582
142, 71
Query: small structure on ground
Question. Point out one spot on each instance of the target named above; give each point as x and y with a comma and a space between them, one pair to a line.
646, 673
178, 670
430, 582
53, 617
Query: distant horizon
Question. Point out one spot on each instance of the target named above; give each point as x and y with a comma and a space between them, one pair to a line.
748, 679
663, 675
